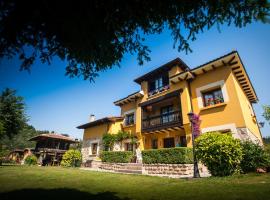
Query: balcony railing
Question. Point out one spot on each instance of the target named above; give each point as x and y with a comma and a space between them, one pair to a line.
162, 121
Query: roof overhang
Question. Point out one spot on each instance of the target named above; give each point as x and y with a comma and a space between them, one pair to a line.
130, 98
231, 60
100, 122
164, 68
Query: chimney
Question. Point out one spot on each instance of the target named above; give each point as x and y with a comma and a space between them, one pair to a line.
92, 118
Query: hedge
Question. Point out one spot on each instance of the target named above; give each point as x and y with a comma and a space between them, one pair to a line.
178, 155
117, 156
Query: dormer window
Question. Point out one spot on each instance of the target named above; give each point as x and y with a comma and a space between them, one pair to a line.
157, 85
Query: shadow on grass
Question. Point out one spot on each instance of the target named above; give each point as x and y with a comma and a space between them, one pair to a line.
63, 193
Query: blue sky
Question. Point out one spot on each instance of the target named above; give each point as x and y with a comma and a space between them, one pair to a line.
58, 103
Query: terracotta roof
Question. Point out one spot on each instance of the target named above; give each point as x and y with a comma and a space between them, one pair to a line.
51, 135
99, 122
165, 67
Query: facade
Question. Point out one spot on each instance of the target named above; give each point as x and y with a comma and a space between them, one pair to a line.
220, 91
51, 147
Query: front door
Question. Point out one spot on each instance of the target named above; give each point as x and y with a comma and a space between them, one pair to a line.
168, 142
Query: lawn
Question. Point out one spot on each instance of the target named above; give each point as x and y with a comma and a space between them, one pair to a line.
60, 183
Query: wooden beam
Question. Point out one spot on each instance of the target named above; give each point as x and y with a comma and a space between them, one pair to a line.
180, 79
213, 67
240, 76
224, 63
186, 76
173, 82
241, 79
231, 59
235, 68
243, 83
238, 72
204, 71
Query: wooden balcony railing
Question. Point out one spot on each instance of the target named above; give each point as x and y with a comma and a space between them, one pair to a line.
162, 121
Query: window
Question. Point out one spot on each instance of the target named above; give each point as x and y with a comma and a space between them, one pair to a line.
154, 143
158, 84
129, 147
129, 120
183, 141
166, 114
94, 148
212, 97
168, 142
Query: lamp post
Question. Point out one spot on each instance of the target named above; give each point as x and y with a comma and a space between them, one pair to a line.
196, 173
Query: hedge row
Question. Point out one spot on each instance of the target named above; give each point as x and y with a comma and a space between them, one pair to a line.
178, 155
117, 156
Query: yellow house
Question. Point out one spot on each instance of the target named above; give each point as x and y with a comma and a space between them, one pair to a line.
220, 91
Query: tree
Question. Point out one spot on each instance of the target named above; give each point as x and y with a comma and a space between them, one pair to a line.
266, 113
12, 113
93, 36
21, 140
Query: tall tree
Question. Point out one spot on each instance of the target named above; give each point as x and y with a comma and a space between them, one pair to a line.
93, 36
12, 113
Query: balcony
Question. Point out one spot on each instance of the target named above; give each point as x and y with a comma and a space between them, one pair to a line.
162, 121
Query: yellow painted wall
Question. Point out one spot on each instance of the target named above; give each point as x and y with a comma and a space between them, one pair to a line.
95, 132
216, 116
247, 110
115, 127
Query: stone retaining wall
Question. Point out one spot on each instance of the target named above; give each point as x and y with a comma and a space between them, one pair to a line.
167, 170
173, 170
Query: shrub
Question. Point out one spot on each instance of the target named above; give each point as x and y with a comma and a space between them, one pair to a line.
31, 160
108, 140
254, 156
72, 158
178, 155
221, 153
117, 156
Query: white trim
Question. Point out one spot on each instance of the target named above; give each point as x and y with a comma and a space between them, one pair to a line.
130, 112
231, 127
90, 142
220, 83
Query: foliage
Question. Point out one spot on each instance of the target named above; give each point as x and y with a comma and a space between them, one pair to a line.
122, 135
254, 157
12, 113
179, 155
72, 158
104, 31
266, 113
31, 160
21, 140
108, 140
221, 153
116, 156
76, 146
196, 122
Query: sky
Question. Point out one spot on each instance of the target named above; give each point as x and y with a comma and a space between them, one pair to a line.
58, 103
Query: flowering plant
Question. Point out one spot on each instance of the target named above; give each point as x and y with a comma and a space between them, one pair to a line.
196, 122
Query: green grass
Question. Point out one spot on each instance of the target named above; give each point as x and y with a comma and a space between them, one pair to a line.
61, 183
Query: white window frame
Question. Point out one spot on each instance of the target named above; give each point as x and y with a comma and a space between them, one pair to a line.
200, 90
130, 112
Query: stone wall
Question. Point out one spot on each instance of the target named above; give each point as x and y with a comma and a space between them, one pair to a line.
166, 170
173, 170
